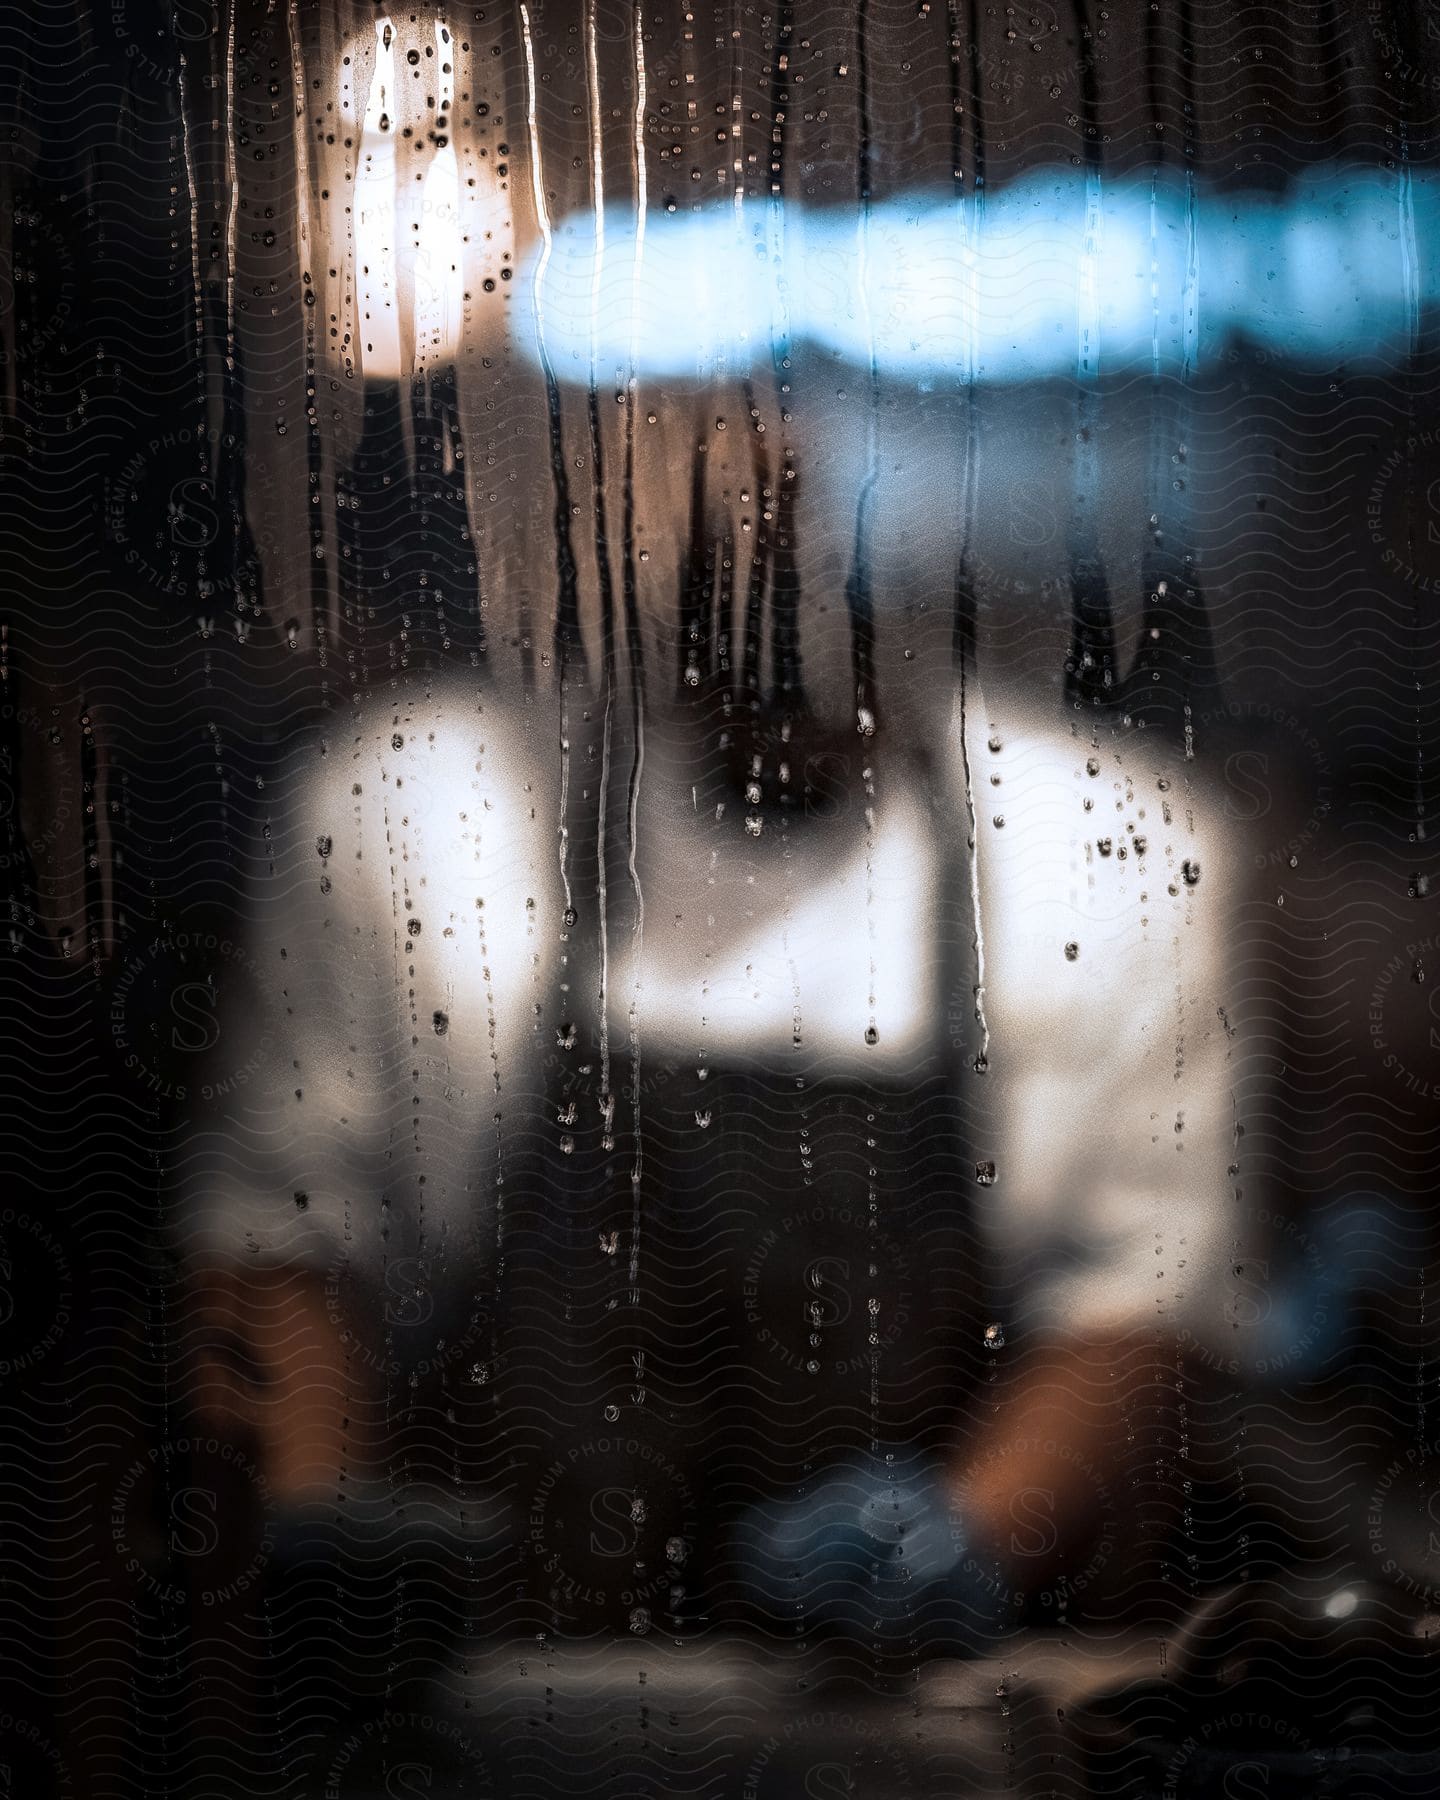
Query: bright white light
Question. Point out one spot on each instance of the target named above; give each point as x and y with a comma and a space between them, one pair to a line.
411, 224
439, 254
376, 264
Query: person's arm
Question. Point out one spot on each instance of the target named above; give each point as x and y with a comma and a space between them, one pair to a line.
1105, 899
346, 1123
1106, 896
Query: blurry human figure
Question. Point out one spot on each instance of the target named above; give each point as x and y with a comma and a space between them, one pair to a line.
431, 1044
537, 990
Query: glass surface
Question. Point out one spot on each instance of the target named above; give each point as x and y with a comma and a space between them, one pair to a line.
716, 741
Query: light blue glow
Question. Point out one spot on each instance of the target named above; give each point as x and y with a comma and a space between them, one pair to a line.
1013, 290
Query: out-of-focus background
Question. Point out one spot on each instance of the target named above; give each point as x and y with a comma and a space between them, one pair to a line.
716, 740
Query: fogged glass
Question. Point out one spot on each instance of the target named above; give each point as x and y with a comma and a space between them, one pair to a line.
717, 735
